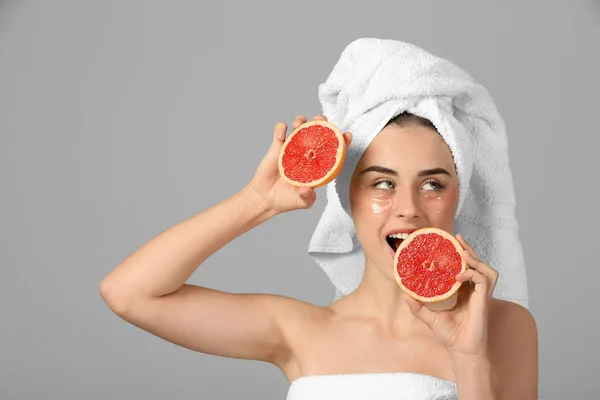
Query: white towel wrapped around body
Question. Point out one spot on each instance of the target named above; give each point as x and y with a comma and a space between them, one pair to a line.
375, 80
372, 386
377, 386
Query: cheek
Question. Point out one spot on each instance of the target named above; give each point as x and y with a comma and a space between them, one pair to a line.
369, 210
381, 203
441, 206
375, 203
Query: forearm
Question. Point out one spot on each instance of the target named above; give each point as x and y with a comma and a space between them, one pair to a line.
165, 263
473, 378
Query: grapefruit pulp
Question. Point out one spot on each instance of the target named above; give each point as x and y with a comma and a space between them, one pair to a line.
425, 266
313, 155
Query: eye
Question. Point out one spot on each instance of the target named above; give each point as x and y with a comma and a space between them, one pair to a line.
386, 185
435, 184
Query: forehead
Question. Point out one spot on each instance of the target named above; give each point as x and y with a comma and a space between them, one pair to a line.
396, 145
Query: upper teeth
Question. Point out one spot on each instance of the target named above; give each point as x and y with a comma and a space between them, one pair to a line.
399, 235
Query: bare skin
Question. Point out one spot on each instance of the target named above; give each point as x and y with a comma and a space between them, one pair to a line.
490, 354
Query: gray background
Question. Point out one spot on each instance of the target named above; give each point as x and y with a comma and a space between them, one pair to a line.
119, 119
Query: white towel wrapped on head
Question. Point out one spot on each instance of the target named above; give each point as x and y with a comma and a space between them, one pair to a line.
375, 80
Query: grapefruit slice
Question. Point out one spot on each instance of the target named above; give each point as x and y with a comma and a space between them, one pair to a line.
425, 266
313, 155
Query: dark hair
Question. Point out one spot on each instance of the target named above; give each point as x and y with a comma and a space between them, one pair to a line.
408, 119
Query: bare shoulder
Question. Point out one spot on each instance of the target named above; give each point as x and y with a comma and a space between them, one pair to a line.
509, 316
511, 320
294, 313
300, 323
513, 341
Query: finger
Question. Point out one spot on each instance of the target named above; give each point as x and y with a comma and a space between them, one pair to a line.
466, 289
299, 120
480, 266
419, 310
483, 284
478, 296
279, 132
472, 275
319, 118
466, 245
307, 195
348, 138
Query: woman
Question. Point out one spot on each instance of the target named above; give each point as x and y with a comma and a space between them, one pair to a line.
376, 336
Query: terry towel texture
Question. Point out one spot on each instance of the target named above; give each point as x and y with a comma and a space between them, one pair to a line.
373, 81
385, 386
372, 386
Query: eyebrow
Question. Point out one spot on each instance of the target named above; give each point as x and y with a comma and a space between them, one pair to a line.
388, 171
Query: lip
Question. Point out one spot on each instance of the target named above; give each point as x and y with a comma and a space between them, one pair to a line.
403, 230
394, 231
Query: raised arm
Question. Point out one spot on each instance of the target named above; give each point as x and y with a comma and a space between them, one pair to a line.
149, 290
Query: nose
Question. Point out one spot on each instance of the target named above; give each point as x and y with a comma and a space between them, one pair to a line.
406, 204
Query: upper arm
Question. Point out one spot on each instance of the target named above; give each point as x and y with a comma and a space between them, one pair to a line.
515, 352
244, 326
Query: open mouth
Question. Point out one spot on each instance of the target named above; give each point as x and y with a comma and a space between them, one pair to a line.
395, 240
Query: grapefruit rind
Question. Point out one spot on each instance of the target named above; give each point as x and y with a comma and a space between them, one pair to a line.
443, 301
339, 158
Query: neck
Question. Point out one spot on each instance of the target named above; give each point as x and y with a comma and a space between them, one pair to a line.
380, 298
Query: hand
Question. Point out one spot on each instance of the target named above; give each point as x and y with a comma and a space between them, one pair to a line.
463, 330
278, 195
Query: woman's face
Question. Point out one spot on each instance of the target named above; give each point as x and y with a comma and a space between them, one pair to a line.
405, 180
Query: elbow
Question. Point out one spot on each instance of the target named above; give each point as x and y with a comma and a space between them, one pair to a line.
115, 296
